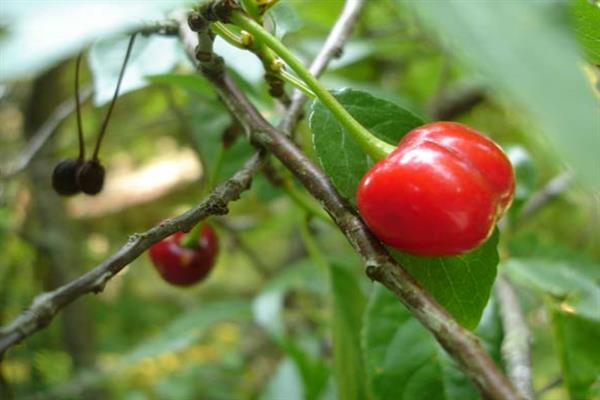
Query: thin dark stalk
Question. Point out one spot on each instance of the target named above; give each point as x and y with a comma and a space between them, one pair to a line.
114, 99
78, 108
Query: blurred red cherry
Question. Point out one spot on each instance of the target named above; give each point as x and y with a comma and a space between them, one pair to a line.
184, 266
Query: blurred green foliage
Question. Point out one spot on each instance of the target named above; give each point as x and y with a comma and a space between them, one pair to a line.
277, 331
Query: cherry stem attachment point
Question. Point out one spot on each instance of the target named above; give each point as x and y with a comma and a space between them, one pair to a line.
376, 148
114, 99
78, 108
190, 239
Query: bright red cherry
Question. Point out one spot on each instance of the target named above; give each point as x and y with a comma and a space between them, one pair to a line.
439, 193
185, 266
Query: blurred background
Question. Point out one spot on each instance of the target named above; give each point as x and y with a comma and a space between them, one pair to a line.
258, 326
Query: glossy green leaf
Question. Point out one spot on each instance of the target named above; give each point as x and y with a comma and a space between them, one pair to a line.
586, 21
462, 284
348, 307
340, 156
40, 34
579, 353
521, 47
575, 284
403, 360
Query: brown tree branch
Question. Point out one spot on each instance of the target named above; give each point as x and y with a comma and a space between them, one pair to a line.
46, 305
515, 345
461, 344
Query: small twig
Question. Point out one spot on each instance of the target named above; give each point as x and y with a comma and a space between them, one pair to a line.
46, 305
42, 135
516, 343
555, 187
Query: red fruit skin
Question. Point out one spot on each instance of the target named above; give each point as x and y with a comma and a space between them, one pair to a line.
184, 266
439, 193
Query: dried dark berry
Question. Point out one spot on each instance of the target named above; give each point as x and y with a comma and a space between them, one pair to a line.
64, 177
90, 177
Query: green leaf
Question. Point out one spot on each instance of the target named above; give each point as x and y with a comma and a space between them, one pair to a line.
579, 353
53, 31
404, 362
524, 62
461, 284
574, 284
341, 157
348, 306
586, 19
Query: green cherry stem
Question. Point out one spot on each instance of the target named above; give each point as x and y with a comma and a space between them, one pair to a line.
190, 239
114, 99
377, 149
227, 35
235, 40
78, 108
